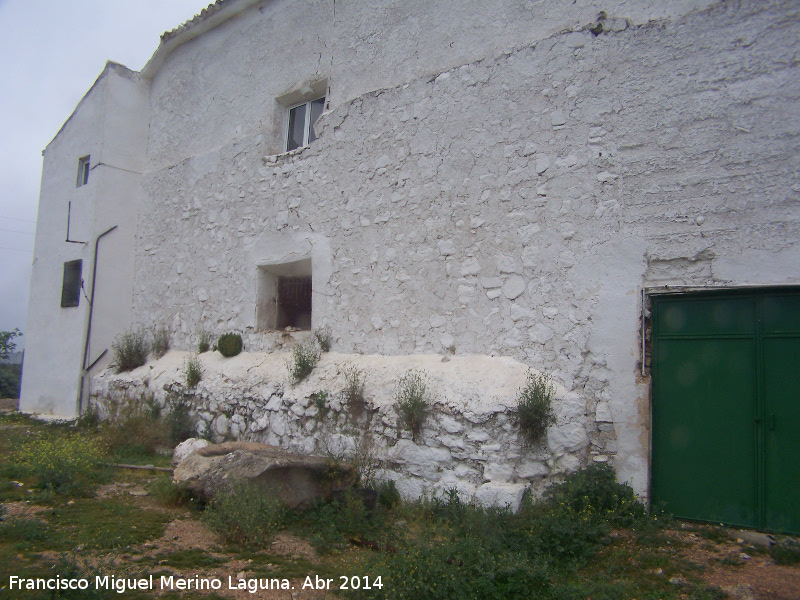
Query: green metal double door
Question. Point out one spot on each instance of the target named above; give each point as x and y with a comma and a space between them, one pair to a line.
726, 408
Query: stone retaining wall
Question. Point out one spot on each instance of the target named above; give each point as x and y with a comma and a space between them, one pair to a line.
469, 441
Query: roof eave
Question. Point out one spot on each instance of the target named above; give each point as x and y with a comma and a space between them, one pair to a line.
210, 17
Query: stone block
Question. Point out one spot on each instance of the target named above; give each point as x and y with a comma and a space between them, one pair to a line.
500, 494
567, 438
498, 472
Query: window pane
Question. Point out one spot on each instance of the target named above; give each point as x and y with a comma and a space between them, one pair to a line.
71, 287
317, 107
297, 125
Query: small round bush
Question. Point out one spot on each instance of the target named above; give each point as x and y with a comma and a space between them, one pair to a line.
229, 344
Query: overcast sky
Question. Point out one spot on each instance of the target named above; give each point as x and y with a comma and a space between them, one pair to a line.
52, 51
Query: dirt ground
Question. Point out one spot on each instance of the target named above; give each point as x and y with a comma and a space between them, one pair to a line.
9, 404
744, 572
741, 570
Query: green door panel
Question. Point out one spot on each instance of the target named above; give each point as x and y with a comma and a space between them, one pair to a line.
704, 457
782, 433
781, 314
726, 407
706, 316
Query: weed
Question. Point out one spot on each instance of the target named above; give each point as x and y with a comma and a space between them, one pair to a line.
105, 524
245, 514
25, 532
324, 338
786, 552
133, 427
160, 344
594, 493
204, 341
411, 401
89, 419
179, 421
320, 400
130, 350
304, 358
63, 464
192, 370
229, 344
534, 409
168, 493
388, 496
351, 517
354, 388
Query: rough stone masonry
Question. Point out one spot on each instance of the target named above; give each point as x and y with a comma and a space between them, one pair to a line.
511, 206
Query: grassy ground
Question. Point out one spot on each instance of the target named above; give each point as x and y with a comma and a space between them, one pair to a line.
66, 514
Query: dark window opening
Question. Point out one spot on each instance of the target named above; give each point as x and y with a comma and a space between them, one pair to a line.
71, 287
284, 296
294, 302
83, 171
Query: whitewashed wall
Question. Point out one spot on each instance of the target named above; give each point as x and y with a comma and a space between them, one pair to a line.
109, 125
516, 205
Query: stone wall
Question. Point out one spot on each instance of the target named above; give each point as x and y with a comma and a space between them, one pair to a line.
469, 441
516, 205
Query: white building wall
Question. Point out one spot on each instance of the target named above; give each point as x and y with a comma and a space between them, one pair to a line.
516, 205
109, 125
491, 178
223, 85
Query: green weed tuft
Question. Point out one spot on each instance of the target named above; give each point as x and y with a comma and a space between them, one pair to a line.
204, 341
786, 552
324, 338
161, 343
354, 388
130, 350
411, 401
246, 515
320, 400
193, 371
534, 410
305, 357
68, 464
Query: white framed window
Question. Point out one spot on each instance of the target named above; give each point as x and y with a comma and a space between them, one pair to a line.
84, 164
302, 117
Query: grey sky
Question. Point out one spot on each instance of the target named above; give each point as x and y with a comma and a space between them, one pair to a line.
52, 52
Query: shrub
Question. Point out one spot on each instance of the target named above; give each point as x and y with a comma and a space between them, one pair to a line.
63, 464
9, 380
534, 410
411, 401
304, 358
229, 344
594, 492
193, 371
245, 514
204, 341
130, 350
324, 338
160, 344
